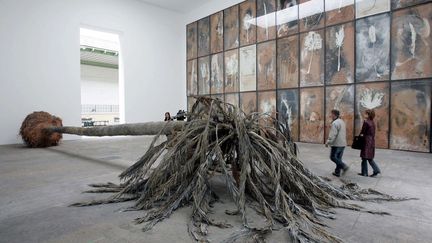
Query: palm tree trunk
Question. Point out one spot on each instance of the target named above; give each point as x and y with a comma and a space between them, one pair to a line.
134, 129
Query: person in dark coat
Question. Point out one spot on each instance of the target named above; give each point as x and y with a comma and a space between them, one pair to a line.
368, 151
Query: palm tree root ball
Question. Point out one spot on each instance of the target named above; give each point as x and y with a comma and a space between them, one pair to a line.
34, 131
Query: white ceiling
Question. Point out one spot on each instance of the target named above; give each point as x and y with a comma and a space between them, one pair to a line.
177, 5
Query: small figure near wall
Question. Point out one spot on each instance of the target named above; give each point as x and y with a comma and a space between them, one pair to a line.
368, 151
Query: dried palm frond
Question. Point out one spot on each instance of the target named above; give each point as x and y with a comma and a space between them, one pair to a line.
260, 168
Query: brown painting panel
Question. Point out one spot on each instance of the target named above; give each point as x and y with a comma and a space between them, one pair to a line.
374, 96
248, 22
231, 27
310, 21
192, 77
373, 48
217, 76
411, 115
339, 11
248, 68
340, 54
266, 20
204, 75
216, 32
287, 17
412, 43
312, 115
192, 37
287, 62
266, 53
341, 98
231, 71
312, 58
204, 37
267, 103
248, 102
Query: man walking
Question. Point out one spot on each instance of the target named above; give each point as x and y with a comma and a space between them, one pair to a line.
337, 141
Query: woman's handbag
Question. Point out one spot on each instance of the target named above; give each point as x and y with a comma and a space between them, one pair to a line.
358, 142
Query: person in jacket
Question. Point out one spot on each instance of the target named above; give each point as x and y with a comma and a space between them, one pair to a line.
337, 141
367, 153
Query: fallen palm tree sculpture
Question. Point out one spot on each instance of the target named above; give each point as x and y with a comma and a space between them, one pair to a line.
262, 175
41, 129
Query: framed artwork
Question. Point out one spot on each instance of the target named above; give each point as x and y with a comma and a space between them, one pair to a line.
216, 32
406, 3
248, 22
288, 110
373, 48
412, 43
312, 58
287, 62
204, 37
248, 102
266, 20
287, 17
248, 68
411, 115
339, 11
191, 42
267, 103
312, 115
204, 75
340, 54
266, 59
192, 77
298, 59
311, 14
231, 27
369, 7
217, 76
231, 71
341, 98
374, 96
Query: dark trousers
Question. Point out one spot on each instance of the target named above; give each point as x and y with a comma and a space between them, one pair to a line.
364, 166
336, 154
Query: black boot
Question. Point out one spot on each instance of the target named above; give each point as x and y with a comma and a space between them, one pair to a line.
375, 174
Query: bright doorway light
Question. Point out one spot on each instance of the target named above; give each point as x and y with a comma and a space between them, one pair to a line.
101, 89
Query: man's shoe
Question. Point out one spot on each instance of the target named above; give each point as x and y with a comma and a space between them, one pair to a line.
375, 174
361, 174
344, 170
335, 174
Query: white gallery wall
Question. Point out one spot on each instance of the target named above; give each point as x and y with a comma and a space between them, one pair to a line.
40, 58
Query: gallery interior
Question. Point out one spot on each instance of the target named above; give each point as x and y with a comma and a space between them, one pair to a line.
215, 121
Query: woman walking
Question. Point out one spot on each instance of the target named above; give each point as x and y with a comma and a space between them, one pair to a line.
368, 152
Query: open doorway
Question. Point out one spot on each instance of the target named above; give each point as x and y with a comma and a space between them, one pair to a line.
100, 86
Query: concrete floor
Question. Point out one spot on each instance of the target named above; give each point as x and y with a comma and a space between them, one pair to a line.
37, 185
